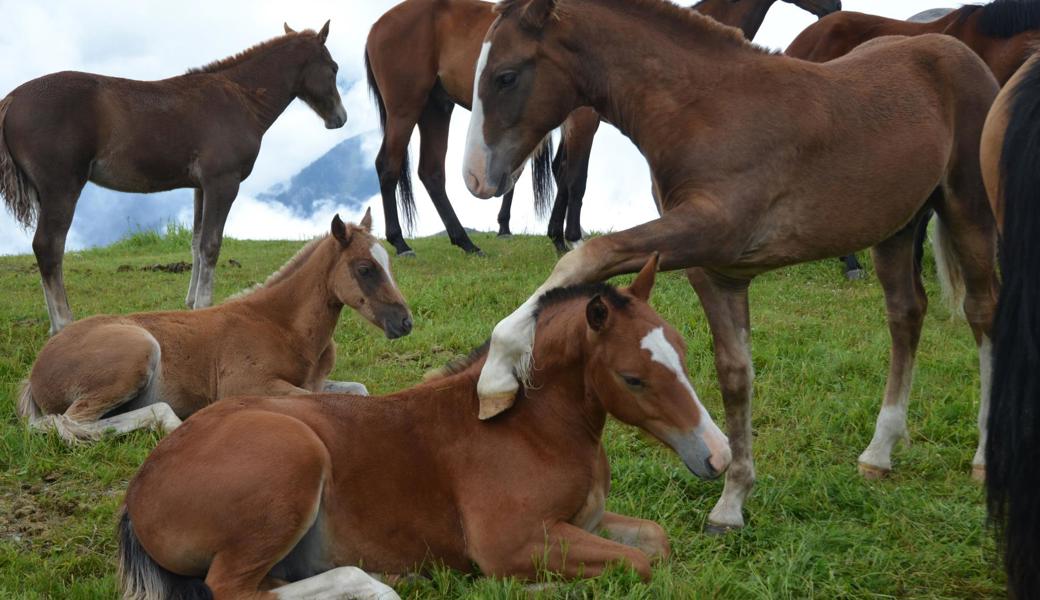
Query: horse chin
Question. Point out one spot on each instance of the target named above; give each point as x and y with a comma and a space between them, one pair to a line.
694, 453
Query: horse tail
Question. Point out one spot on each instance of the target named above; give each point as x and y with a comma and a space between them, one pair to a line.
1013, 440
141, 578
405, 196
951, 277
542, 176
27, 407
19, 193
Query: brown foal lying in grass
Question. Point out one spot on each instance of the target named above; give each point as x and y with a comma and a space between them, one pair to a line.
128, 372
253, 493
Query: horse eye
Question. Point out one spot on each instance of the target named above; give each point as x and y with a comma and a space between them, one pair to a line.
632, 382
505, 80
364, 270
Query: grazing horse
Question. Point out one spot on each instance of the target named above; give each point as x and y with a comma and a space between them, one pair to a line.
201, 130
154, 369
252, 493
760, 161
1011, 169
571, 164
1002, 33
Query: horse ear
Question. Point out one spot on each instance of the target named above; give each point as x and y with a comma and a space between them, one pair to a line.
366, 221
644, 282
537, 13
340, 231
597, 313
324, 33
288, 29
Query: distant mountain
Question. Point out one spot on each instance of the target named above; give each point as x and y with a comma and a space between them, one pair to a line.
342, 175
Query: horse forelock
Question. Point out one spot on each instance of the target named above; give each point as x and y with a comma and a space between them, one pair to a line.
1002, 18
248, 53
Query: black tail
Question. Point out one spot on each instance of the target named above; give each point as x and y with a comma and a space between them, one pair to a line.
1013, 442
542, 176
141, 578
405, 197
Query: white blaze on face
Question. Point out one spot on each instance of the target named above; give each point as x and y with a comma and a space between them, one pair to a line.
383, 258
475, 163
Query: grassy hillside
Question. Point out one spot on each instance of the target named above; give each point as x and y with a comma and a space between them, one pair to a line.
820, 346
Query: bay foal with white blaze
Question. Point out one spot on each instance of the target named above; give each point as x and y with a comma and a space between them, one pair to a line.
254, 492
760, 161
200, 130
154, 369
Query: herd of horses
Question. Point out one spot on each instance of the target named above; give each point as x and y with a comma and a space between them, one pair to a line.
853, 139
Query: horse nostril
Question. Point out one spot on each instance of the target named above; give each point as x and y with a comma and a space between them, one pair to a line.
712, 471
406, 324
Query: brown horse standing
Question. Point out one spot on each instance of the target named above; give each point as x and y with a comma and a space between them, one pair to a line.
571, 164
153, 369
760, 161
1002, 33
252, 493
201, 130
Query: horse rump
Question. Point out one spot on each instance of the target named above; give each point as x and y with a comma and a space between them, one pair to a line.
141, 578
1013, 443
18, 192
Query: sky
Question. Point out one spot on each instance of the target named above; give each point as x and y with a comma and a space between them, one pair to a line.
153, 40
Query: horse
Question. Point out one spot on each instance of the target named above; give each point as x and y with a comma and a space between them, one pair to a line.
760, 161
571, 163
422, 82
254, 492
419, 83
200, 130
1011, 169
1001, 32
154, 369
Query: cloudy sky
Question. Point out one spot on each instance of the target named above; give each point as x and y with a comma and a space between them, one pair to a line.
147, 39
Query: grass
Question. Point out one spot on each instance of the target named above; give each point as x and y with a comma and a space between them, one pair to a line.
820, 347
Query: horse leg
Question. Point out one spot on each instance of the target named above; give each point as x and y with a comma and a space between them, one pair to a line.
217, 198
725, 303
196, 232
853, 270
504, 214
433, 134
391, 163
579, 151
645, 535
57, 206
340, 583
906, 304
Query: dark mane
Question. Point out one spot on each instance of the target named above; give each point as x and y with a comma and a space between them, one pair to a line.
551, 298
1003, 18
237, 59
668, 16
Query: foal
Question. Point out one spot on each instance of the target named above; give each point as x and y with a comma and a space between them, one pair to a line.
153, 369
760, 161
201, 130
251, 493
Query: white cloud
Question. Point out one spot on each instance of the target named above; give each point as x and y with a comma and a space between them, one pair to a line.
152, 40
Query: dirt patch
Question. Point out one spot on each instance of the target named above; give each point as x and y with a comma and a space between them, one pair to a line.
174, 267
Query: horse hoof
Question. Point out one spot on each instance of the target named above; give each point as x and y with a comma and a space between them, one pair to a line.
719, 529
476, 252
855, 274
505, 236
407, 254
978, 473
872, 472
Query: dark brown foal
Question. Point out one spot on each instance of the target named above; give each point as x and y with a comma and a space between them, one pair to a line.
201, 130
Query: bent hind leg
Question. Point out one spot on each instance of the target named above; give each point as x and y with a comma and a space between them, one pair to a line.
81, 377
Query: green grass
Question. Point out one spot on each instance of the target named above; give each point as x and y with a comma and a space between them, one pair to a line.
820, 347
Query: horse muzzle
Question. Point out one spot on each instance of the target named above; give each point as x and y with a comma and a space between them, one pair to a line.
337, 119
698, 458
397, 326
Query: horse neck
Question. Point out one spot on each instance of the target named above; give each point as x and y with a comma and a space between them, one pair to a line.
302, 302
268, 80
748, 15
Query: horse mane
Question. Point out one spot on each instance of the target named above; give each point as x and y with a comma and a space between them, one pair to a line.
553, 297
1002, 18
287, 269
679, 20
240, 57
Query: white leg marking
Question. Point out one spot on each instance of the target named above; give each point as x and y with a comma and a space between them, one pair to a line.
58, 311
204, 287
891, 423
153, 416
345, 387
343, 583
985, 383
189, 301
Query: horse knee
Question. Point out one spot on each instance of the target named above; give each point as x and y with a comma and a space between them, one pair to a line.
735, 376
432, 178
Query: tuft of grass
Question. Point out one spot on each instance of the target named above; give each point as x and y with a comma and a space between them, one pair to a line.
820, 347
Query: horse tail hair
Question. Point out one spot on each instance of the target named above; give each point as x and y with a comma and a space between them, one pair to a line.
26, 406
1013, 440
141, 578
947, 264
19, 193
405, 196
542, 176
